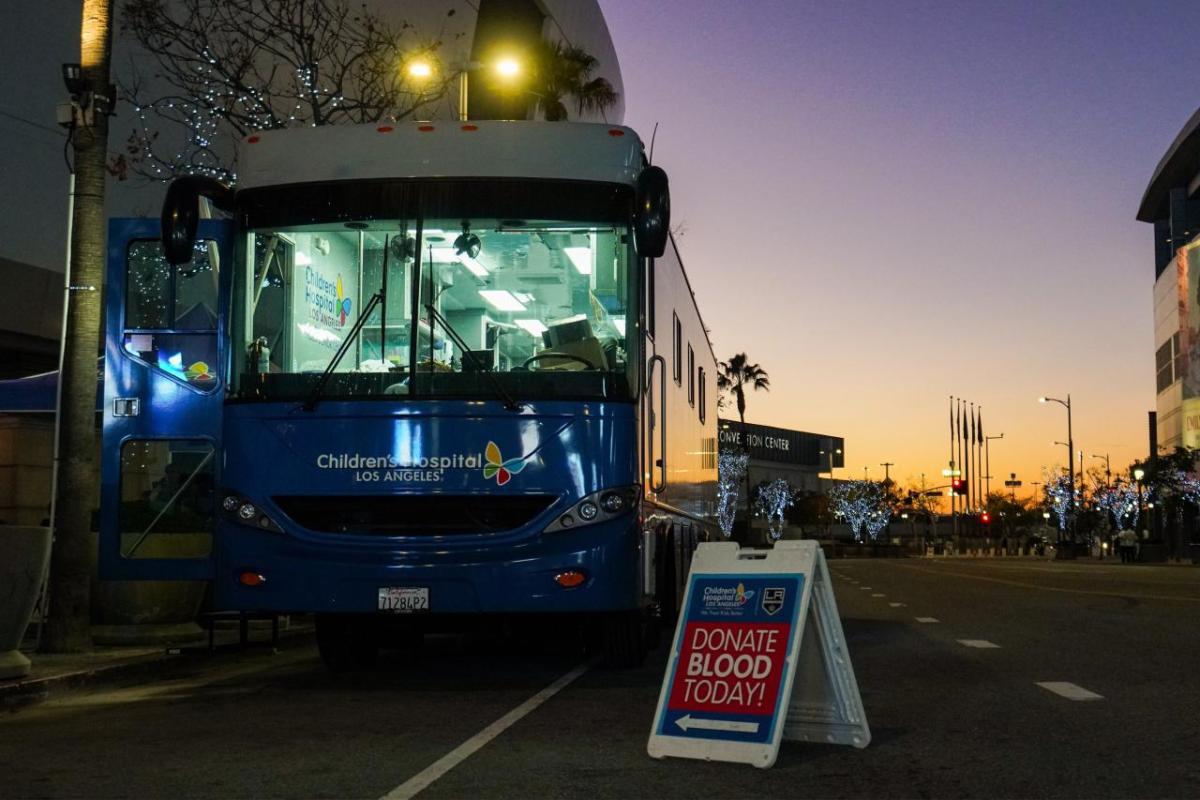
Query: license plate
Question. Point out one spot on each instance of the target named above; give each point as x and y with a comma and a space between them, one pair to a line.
403, 599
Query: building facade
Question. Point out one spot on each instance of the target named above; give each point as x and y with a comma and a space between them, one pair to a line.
805, 460
1172, 205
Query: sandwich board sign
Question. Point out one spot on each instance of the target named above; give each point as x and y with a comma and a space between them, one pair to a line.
758, 656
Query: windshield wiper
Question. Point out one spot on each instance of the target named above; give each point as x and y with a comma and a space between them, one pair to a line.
311, 403
476, 360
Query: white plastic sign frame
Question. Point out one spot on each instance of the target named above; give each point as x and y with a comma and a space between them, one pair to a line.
752, 621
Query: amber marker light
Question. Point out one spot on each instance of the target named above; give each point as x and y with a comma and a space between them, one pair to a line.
570, 579
250, 578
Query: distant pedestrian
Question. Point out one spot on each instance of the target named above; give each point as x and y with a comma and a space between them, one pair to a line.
1128, 542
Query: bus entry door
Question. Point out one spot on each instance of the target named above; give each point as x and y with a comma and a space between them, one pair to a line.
165, 366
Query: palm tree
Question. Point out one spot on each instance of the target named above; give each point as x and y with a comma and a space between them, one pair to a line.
566, 71
736, 375
67, 628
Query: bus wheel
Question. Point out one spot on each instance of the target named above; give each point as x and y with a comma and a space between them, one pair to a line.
624, 639
346, 642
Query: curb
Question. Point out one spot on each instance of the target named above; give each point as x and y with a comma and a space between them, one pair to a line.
18, 694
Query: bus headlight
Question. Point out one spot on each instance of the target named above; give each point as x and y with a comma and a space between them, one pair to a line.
241, 510
597, 507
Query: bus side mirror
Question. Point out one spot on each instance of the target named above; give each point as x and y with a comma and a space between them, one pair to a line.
652, 218
181, 213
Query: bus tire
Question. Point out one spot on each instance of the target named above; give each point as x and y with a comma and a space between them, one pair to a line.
346, 643
624, 639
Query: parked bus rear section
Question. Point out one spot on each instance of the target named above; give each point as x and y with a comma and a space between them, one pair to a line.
419, 372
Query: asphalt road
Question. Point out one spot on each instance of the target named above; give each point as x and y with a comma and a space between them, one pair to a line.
948, 718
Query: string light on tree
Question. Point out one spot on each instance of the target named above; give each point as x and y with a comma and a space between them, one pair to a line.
1058, 491
864, 505
731, 468
773, 500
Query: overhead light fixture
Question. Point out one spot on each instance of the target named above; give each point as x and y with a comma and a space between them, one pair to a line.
443, 255
619, 324
508, 67
474, 265
581, 257
501, 300
420, 69
534, 326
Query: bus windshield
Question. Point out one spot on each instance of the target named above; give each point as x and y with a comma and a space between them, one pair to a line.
485, 289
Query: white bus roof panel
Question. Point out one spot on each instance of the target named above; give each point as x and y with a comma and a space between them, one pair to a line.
484, 149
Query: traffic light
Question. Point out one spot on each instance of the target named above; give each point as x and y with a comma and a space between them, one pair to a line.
958, 485
985, 518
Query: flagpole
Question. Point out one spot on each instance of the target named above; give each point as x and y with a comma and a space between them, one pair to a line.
953, 496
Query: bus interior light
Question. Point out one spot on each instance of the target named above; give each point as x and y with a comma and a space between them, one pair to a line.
581, 258
501, 300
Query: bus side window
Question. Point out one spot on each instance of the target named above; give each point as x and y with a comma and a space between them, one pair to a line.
677, 349
171, 312
703, 394
691, 376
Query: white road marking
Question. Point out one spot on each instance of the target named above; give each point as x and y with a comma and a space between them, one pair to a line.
928, 619
865, 588
1069, 690
468, 748
896, 605
877, 594
979, 644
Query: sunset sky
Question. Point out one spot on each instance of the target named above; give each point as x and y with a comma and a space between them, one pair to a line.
883, 203
889, 203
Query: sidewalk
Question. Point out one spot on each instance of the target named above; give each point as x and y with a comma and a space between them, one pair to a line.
56, 673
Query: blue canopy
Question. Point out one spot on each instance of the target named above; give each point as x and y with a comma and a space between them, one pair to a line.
36, 394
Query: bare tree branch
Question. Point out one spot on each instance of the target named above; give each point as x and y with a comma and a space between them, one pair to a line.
225, 68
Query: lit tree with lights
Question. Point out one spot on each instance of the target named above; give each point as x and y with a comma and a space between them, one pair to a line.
1058, 492
864, 505
731, 467
1120, 502
773, 500
227, 68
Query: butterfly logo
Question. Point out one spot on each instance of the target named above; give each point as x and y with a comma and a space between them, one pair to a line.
343, 303
498, 468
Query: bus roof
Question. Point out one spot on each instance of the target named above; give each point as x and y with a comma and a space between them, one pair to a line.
484, 149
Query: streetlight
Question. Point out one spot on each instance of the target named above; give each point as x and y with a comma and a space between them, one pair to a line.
987, 465
1107, 468
506, 67
1070, 453
1138, 474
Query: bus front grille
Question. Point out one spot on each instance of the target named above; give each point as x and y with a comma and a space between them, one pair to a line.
413, 515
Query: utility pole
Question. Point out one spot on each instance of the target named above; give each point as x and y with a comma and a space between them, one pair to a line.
987, 457
92, 99
887, 474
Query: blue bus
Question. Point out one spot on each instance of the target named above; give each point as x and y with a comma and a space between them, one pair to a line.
406, 374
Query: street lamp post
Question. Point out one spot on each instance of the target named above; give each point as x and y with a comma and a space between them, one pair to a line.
1107, 468
1070, 455
507, 68
987, 465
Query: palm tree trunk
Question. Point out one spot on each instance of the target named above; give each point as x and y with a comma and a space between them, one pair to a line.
73, 556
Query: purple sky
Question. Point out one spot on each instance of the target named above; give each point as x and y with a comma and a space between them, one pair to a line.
890, 202
886, 203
